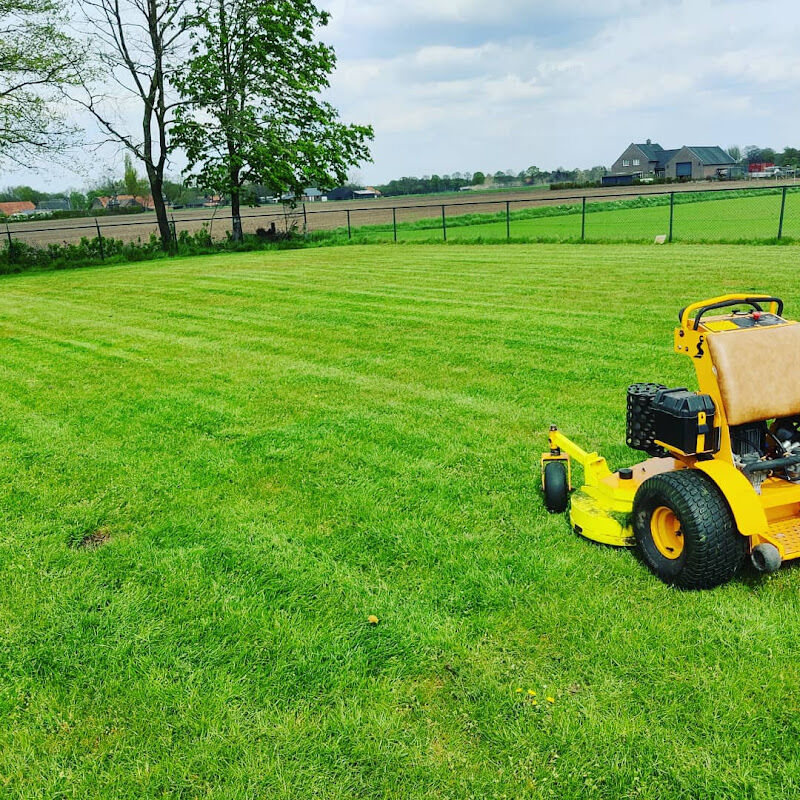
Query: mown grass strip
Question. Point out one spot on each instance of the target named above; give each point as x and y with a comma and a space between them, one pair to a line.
273, 446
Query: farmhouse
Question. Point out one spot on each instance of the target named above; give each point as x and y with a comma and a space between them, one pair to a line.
21, 207
651, 160
312, 195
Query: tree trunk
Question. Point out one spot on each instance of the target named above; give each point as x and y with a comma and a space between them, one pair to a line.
236, 217
164, 228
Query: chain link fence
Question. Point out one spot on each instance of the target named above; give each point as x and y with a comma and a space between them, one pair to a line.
714, 215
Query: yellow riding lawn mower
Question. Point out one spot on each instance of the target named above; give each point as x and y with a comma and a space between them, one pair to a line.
723, 479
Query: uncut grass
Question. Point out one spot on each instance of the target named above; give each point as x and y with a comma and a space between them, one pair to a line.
278, 445
697, 217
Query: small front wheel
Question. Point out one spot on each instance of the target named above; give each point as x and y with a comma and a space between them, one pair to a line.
556, 487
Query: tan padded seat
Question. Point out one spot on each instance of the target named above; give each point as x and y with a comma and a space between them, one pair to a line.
758, 371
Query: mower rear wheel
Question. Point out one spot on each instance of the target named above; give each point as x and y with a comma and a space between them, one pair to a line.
685, 531
556, 487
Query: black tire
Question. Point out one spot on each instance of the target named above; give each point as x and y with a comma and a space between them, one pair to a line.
766, 558
556, 488
711, 549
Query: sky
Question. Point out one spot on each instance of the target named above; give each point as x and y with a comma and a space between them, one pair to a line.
466, 85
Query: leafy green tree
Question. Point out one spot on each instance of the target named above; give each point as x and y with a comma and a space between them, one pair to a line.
36, 59
532, 175
790, 157
478, 179
26, 193
77, 201
768, 155
735, 152
130, 178
173, 190
251, 109
752, 154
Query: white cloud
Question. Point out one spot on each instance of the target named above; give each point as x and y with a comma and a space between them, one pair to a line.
485, 86
465, 84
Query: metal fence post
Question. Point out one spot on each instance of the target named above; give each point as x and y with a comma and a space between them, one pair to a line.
783, 208
583, 219
394, 222
10, 245
174, 234
349, 232
508, 219
444, 224
671, 212
305, 221
100, 239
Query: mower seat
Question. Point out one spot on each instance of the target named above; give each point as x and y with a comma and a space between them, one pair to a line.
758, 371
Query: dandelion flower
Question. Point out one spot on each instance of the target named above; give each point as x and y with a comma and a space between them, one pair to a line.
551, 699
531, 693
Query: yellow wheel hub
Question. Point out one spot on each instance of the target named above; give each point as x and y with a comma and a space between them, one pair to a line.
665, 528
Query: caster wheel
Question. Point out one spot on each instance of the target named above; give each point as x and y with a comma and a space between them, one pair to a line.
556, 489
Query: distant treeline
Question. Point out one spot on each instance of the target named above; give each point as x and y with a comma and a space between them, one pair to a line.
752, 154
533, 176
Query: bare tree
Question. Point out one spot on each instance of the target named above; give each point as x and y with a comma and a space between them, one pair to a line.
36, 57
139, 45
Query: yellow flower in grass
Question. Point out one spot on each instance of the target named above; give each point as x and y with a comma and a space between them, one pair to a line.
531, 693
551, 699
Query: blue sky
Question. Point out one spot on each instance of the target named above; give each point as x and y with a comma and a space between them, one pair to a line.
462, 85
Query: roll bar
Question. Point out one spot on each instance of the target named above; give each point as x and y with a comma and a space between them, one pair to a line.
725, 301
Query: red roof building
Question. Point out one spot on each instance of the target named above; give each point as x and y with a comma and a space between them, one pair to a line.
16, 207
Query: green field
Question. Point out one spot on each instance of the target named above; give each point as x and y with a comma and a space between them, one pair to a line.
697, 216
214, 469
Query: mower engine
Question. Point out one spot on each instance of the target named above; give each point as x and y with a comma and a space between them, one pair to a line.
787, 435
756, 442
749, 446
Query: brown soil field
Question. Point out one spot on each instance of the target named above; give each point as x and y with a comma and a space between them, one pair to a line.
327, 216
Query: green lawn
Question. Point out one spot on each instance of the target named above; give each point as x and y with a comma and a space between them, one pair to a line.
274, 446
705, 216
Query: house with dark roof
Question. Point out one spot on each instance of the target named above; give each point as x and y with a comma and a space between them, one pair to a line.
648, 160
651, 160
340, 193
699, 162
54, 204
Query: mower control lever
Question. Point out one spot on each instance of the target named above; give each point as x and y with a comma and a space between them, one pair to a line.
754, 302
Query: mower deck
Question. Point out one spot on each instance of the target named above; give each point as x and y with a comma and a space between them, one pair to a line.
600, 510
